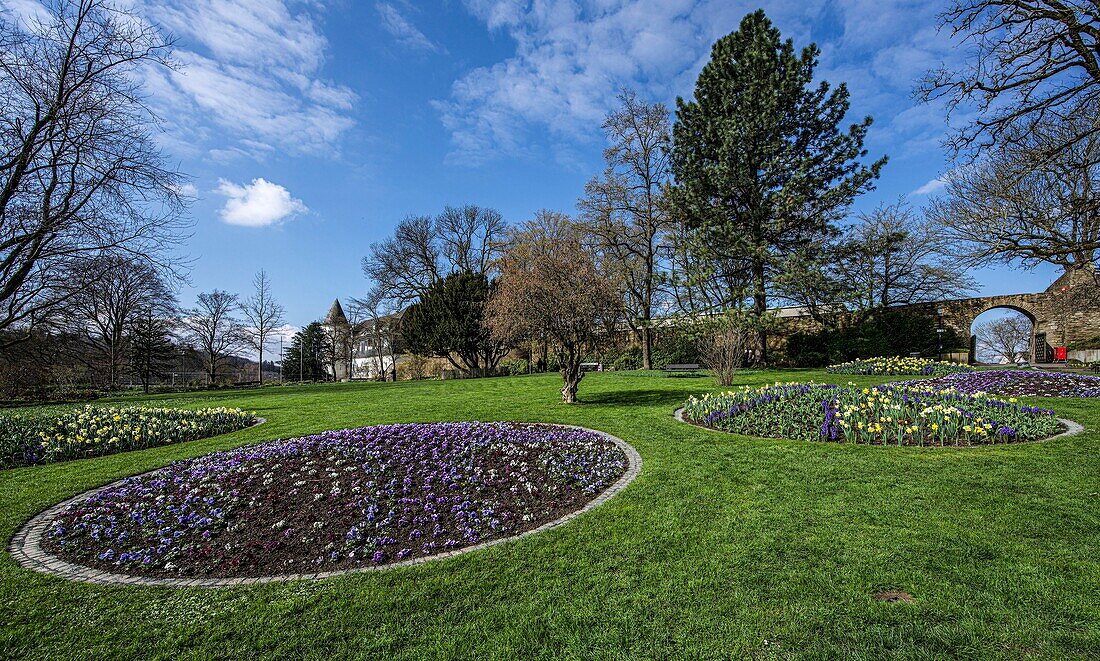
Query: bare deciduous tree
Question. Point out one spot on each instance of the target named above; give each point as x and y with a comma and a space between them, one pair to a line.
426, 249
214, 330
106, 308
262, 315
1028, 204
626, 210
550, 283
469, 237
892, 257
1007, 338
380, 325
723, 347
1034, 62
80, 173
889, 256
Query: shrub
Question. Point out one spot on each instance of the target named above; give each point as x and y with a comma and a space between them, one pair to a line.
890, 332
722, 348
513, 366
414, 368
675, 347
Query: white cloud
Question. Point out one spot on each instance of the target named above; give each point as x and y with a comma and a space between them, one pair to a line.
251, 68
403, 30
931, 187
258, 204
572, 56
27, 13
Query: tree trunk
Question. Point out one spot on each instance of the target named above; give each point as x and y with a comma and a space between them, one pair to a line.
647, 346
260, 369
760, 310
571, 375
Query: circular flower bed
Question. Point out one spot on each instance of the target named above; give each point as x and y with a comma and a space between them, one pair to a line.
883, 415
40, 436
898, 366
1022, 383
337, 500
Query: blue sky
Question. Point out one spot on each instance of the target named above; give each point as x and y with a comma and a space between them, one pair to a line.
309, 128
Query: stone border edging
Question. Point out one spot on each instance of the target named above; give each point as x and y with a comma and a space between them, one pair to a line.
1072, 429
26, 545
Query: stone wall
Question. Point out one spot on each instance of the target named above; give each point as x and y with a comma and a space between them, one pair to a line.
1067, 312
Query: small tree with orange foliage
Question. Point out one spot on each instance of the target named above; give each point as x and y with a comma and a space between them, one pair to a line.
550, 283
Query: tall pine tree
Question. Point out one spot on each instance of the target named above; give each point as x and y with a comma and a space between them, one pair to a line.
762, 168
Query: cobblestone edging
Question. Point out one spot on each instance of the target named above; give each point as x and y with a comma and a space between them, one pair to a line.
1072, 429
26, 546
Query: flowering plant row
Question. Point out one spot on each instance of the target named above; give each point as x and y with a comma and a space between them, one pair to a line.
46, 435
898, 365
337, 500
1022, 383
883, 415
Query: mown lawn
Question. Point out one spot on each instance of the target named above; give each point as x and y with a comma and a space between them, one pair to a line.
724, 547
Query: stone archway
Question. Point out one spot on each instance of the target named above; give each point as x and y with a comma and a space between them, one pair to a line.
960, 315
1037, 339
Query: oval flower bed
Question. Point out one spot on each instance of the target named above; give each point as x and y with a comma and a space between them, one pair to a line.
883, 415
1022, 383
337, 500
898, 366
44, 435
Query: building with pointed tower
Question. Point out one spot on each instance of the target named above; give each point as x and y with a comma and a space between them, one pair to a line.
362, 348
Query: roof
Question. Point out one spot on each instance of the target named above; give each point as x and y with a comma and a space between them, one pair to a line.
336, 316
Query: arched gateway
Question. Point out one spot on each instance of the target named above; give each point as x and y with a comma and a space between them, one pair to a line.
1057, 318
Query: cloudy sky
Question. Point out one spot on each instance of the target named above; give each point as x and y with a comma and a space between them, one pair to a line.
309, 128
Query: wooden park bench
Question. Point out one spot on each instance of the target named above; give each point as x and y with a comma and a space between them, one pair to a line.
681, 368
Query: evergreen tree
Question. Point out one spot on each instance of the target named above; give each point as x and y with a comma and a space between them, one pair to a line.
152, 351
762, 167
304, 359
449, 321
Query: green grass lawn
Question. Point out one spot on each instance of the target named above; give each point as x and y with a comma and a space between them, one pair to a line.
724, 547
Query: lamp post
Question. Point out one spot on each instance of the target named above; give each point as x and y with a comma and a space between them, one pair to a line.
939, 333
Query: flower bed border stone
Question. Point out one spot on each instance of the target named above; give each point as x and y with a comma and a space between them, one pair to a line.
26, 545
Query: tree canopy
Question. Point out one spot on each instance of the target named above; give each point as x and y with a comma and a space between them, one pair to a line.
448, 321
762, 166
551, 285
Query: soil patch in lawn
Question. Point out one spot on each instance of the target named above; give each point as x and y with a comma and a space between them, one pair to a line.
336, 501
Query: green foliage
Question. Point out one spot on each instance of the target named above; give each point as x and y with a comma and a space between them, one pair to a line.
514, 366
627, 359
675, 348
449, 319
304, 358
889, 332
669, 347
762, 166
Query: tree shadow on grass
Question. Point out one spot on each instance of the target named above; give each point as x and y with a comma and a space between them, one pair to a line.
651, 397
